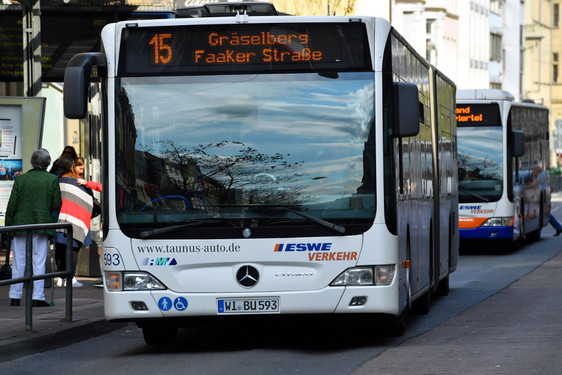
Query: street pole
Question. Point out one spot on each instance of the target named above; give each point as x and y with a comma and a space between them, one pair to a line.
31, 26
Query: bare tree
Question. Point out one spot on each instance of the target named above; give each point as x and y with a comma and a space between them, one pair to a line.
264, 178
315, 7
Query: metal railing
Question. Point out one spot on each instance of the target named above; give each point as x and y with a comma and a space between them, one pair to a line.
29, 277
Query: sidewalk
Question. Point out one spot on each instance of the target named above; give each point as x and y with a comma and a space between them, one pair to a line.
49, 330
516, 331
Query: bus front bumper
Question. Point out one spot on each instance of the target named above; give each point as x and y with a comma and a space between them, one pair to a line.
487, 233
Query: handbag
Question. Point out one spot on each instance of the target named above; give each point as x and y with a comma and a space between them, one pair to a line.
6, 269
5, 272
96, 209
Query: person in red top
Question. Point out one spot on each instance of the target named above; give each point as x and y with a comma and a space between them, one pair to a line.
77, 208
78, 171
90, 184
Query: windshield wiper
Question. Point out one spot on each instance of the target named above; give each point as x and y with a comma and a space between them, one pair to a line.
312, 219
194, 223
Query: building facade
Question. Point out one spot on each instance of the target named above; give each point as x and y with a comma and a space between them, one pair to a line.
556, 105
540, 67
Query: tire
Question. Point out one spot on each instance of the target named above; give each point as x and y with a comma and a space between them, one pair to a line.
444, 287
535, 235
422, 304
395, 326
159, 334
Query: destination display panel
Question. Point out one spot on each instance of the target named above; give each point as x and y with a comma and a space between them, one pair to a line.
206, 49
478, 115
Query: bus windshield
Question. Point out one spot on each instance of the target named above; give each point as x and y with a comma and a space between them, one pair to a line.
480, 155
224, 151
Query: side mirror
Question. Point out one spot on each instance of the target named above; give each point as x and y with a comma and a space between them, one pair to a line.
517, 143
406, 109
77, 81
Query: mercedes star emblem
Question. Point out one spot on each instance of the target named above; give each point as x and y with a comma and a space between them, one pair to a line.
247, 276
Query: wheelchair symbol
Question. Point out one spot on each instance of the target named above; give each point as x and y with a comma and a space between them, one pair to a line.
180, 304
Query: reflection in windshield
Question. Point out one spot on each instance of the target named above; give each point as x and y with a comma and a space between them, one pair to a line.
203, 148
480, 163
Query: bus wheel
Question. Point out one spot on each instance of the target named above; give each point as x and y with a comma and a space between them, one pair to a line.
397, 325
535, 235
422, 304
159, 334
444, 287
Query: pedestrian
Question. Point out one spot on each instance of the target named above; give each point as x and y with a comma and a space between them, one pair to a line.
78, 168
77, 208
78, 171
69, 151
78, 174
556, 225
35, 199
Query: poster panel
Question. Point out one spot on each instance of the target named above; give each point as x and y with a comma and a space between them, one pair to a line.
18, 116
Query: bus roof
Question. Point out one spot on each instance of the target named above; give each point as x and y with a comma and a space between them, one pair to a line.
484, 94
228, 9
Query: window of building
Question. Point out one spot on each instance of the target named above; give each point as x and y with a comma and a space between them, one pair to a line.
429, 26
555, 67
495, 6
555, 14
495, 47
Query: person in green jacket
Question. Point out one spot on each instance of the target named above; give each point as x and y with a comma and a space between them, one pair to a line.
35, 199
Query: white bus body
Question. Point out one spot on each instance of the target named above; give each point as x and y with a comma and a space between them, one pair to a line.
504, 195
319, 179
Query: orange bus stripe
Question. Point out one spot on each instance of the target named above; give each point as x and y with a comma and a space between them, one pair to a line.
471, 222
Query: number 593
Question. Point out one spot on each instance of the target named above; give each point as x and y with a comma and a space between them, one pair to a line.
111, 259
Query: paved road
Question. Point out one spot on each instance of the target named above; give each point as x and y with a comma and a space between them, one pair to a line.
517, 331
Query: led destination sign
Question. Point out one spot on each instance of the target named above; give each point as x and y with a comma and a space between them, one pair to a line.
270, 48
478, 115
244, 48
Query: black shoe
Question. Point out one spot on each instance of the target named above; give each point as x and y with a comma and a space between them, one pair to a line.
15, 302
558, 231
39, 303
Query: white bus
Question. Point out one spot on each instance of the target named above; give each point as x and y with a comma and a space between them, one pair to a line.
504, 183
270, 165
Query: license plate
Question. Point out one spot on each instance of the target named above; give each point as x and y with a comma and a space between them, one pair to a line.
248, 305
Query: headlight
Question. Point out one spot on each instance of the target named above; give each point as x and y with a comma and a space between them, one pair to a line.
132, 281
498, 222
364, 276
354, 277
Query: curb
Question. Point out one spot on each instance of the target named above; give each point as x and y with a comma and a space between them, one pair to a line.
33, 342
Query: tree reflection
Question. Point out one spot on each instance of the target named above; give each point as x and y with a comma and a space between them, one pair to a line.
230, 172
